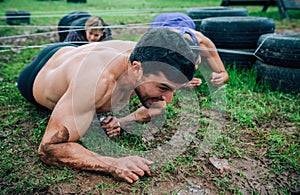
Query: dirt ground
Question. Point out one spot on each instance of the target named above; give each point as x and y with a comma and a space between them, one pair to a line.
295, 30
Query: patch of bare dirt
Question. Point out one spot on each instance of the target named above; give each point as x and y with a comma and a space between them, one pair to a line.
295, 30
32, 39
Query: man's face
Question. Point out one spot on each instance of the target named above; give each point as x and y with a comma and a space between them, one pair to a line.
155, 88
93, 35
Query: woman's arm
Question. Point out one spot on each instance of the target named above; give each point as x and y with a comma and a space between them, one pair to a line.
210, 53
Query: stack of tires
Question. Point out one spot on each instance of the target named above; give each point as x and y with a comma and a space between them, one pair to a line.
197, 14
244, 41
65, 23
279, 61
17, 17
75, 21
236, 37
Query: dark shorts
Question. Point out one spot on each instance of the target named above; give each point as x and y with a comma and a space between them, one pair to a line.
27, 76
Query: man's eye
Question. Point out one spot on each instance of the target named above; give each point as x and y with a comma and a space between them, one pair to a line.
163, 88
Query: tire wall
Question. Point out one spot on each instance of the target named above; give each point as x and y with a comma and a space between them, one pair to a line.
246, 42
197, 14
279, 49
279, 62
66, 21
278, 78
239, 34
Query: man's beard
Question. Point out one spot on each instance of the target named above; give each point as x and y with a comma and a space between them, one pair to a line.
142, 100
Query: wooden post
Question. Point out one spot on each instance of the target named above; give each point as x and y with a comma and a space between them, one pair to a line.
282, 10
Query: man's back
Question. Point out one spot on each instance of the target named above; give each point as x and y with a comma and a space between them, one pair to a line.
70, 66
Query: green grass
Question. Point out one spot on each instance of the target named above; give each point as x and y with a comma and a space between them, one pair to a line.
261, 125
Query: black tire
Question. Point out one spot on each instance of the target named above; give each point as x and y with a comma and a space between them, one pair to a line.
279, 49
237, 58
17, 17
67, 20
206, 12
278, 78
236, 32
79, 24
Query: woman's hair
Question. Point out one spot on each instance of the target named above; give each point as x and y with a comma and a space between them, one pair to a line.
94, 22
166, 51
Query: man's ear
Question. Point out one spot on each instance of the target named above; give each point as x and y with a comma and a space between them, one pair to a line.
136, 67
137, 71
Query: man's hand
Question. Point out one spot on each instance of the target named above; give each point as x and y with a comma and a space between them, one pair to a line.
112, 126
130, 168
145, 114
217, 79
195, 82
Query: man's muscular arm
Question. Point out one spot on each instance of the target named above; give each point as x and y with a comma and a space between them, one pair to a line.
59, 147
73, 155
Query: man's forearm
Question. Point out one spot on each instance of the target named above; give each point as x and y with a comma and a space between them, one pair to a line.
127, 119
75, 156
144, 114
140, 115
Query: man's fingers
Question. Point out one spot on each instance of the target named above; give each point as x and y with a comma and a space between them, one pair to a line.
141, 169
194, 82
127, 179
139, 172
131, 168
111, 123
147, 162
115, 127
141, 166
218, 81
146, 167
107, 119
113, 132
131, 176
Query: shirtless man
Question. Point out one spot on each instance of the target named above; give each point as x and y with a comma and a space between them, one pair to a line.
75, 82
185, 26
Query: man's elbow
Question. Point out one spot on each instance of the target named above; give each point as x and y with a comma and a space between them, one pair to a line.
46, 154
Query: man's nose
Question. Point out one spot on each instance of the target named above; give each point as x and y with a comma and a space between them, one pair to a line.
168, 96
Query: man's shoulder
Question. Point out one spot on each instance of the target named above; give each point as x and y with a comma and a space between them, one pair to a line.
116, 45
118, 42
